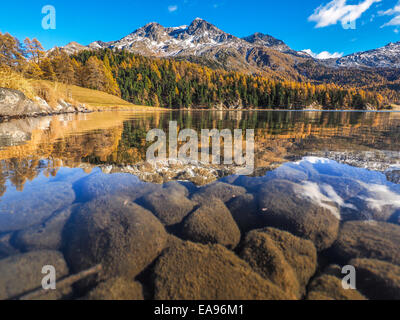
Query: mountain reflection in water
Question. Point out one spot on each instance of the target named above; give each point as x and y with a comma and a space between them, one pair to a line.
320, 191
118, 139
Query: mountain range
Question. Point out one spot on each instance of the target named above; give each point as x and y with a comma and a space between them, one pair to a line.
204, 43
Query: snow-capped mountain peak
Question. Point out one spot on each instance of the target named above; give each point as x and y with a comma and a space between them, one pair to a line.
385, 57
267, 41
197, 39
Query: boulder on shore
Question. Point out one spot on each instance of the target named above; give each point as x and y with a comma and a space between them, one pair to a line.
14, 104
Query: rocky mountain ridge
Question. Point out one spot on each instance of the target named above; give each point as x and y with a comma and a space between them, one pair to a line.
204, 43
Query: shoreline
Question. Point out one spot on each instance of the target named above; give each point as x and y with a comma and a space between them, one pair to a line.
151, 109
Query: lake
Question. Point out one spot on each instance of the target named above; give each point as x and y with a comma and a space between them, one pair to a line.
318, 217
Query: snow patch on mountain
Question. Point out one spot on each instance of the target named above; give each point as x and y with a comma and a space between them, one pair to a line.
385, 57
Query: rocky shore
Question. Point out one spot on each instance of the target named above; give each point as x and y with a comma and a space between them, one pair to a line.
14, 104
277, 237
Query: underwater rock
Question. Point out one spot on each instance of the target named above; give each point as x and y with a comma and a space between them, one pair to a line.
368, 239
121, 184
117, 289
218, 190
284, 259
244, 210
22, 273
378, 280
209, 272
294, 208
168, 205
122, 236
6, 248
329, 287
212, 223
20, 210
47, 235
376, 202
175, 186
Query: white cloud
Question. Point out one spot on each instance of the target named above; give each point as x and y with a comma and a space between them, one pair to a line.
395, 21
390, 12
324, 54
312, 191
173, 8
339, 10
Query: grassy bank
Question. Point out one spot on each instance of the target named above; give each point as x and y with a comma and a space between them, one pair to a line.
91, 98
54, 91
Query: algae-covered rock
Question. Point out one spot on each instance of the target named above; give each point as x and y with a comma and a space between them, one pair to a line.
378, 280
212, 223
245, 212
46, 236
299, 210
120, 184
122, 236
328, 287
368, 239
22, 273
286, 260
20, 210
170, 206
218, 190
177, 187
209, 272
117, 289
6, 248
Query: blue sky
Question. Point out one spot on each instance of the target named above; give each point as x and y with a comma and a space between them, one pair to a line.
309, 24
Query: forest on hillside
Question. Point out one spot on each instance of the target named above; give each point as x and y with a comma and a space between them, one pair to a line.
175, 84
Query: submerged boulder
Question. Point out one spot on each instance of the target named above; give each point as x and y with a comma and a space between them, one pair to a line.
47, 235
299, 210
368, 239
122, 236
121, 184
244, 210
218, 190
117, 289
378, 280
6, 248
329, 287
286, 260
20, 210
169, 205
212, 223
177, 187
191, 271
22, 273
